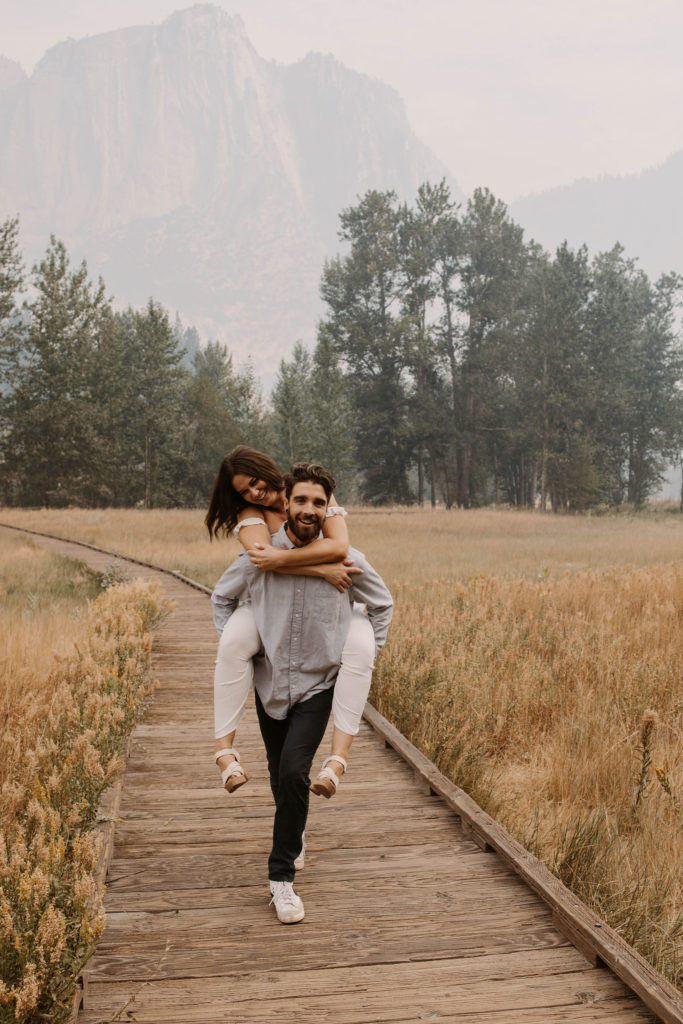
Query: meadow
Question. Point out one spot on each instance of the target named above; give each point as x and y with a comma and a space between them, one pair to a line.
74, 678
537, 660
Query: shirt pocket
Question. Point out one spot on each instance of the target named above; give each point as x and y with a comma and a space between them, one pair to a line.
328, 611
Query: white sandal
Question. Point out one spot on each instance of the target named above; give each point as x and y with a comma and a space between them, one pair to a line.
327, 780
234, 775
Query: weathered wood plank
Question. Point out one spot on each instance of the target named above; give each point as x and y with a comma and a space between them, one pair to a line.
436, 994
338, 981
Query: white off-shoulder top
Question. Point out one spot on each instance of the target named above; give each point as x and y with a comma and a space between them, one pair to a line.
333, 510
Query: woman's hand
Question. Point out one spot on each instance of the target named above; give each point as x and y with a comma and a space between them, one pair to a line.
339, 574
265, 556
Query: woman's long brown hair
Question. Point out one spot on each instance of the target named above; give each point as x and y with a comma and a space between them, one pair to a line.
226, 504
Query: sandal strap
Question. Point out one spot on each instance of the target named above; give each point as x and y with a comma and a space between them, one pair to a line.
234, 768
327, 773
228, 750
335, 757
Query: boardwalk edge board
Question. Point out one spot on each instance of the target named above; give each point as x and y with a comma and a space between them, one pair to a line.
596, 940
599, 943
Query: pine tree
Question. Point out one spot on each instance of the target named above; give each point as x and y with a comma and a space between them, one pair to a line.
159, 383
292, 402
364, 321
51, 451
492, 272
333, 429
211, 410
11, 283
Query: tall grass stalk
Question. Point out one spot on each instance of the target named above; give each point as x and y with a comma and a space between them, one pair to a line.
558, 705
63, 734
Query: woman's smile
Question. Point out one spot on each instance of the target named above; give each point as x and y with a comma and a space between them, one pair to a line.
256, 492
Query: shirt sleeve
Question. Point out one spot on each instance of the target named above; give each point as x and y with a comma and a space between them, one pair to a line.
335, 510
249, 521
370, 589
232, 585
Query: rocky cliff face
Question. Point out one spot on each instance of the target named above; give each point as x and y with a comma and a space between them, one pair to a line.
182, 165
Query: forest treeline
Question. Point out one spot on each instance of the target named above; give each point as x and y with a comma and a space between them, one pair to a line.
455, 362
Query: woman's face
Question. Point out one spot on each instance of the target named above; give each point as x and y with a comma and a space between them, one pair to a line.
253, 490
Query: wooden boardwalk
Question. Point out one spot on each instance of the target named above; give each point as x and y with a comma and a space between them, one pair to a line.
407, 919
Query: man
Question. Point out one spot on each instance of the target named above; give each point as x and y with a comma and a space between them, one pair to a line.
303, 622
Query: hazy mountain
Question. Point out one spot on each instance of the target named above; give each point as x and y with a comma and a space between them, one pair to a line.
182, 165
644, 212
11, 74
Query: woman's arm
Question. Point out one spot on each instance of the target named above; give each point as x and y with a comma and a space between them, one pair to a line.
339, 574
332, 547
252, 533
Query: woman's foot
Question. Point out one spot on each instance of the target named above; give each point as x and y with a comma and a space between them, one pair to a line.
233, 774
328, 778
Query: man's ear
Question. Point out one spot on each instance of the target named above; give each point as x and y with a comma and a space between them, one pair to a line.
286, 504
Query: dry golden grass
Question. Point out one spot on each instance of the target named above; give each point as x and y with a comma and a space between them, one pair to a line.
537, 660
405, 545
173, 539
41, 600
558, 705
71, 691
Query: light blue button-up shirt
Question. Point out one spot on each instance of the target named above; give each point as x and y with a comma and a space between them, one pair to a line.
303, 622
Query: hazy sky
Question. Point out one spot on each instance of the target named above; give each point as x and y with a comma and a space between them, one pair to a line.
518, 95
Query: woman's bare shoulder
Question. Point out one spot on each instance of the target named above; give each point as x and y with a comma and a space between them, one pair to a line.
272, 518
250, 512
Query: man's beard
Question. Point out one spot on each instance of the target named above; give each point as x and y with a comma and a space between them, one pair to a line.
305, 532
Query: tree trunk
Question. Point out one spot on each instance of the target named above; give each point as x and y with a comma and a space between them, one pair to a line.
148, 470
466, 468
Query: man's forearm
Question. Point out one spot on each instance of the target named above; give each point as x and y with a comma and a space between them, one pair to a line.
371, 589
227, 592
222, 610
380, 618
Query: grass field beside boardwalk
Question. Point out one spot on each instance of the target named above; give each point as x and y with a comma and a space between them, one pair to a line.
74, 678
538, 660
406, 545
558, 705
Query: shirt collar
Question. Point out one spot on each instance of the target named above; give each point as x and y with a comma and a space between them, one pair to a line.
281, 539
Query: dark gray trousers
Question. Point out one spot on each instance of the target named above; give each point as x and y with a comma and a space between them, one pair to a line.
291, 744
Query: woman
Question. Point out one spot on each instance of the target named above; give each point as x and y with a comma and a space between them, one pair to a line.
248, 497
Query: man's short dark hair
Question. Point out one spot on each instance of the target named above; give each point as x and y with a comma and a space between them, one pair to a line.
309, 473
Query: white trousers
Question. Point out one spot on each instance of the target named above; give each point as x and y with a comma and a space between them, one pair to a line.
234, 674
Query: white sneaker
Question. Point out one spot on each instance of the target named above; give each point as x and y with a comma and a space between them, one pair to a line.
299, 862
288, 906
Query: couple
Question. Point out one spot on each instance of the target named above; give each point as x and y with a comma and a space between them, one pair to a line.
311, 651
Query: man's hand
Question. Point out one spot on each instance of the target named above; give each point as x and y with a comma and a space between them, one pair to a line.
265, 556
339, 574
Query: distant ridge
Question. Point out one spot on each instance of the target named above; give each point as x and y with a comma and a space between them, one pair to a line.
642, 211
184, 166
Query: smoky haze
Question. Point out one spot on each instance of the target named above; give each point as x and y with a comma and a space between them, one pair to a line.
515, 95
182, 165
